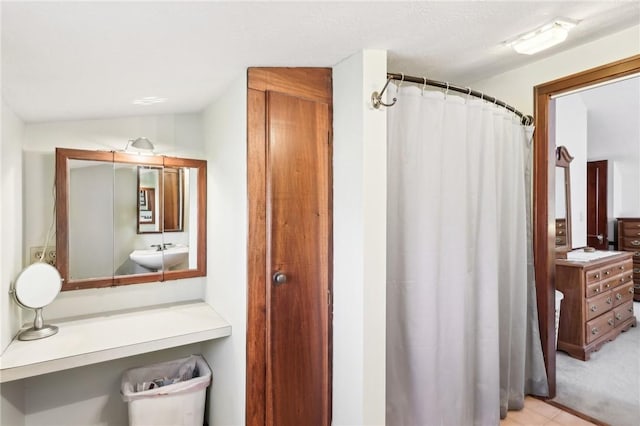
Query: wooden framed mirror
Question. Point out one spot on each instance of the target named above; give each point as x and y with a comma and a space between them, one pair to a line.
110, 218
563, 201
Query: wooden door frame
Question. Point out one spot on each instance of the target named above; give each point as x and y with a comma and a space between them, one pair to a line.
598, 206
312, 84
544, 194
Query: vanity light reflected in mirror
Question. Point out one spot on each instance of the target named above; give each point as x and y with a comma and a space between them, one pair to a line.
36, 287
114, 207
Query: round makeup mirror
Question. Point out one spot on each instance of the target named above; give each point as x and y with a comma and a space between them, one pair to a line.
36, 287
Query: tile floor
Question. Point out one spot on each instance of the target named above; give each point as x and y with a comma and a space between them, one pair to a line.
536, 412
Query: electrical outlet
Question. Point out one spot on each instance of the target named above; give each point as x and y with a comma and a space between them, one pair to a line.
49, 256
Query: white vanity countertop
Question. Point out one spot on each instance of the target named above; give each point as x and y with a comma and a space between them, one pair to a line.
112, 335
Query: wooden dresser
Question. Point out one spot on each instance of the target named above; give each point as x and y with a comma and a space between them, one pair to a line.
629, 240
597, 304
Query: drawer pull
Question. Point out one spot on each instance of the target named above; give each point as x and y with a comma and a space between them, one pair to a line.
596, 276
594, 330
560, 232
596, 290
621, 268
618, 296
631, 290
558, 240
608, 300
618, 316
635, 243
607, 272
594, 308
607, 285
622, 279
630, 309
610, 322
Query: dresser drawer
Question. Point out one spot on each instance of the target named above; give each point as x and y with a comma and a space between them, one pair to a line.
622, 294
598, 305
622, 313
630, 225
599, 327
593, 276
595, 289
620, 280
630, 243
629, 232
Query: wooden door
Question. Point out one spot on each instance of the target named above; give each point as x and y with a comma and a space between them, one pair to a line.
289, 173
597, 205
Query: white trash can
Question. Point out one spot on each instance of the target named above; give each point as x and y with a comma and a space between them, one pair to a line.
559, 297
169, 393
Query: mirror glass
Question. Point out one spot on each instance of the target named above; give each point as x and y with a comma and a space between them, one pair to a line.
563, 199
37, 285
125, 219
162, 194
149, 199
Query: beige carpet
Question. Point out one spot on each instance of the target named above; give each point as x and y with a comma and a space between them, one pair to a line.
607, 387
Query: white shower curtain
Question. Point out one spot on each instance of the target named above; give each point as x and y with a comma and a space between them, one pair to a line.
462, 330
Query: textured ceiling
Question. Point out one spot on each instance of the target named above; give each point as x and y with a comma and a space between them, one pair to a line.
77, 60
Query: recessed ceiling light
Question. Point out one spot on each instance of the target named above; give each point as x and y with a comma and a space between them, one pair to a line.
149, 100
542, 38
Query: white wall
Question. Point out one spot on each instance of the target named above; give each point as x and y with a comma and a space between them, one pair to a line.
359, 242
12, 395
224, 124
571, 131
614, 135
516, 86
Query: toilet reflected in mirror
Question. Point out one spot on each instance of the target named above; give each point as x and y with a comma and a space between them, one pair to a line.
36, 287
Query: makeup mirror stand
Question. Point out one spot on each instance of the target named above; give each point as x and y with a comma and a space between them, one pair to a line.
36, 287
39, 330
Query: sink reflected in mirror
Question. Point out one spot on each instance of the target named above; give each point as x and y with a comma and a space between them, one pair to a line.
158, 259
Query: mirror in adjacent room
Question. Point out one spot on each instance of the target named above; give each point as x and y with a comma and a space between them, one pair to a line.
126, 219
563, 201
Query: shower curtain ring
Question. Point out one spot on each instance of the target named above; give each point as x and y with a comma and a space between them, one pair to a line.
446, 91
400, 84
424, 85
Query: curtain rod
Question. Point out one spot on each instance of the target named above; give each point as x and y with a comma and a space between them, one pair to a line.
376, 98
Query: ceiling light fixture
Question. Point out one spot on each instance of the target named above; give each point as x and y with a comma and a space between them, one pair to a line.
149, 100
542, 38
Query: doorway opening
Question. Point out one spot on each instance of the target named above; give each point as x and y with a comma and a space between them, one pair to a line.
544, 194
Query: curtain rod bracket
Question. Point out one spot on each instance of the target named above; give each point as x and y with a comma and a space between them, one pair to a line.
376, 98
